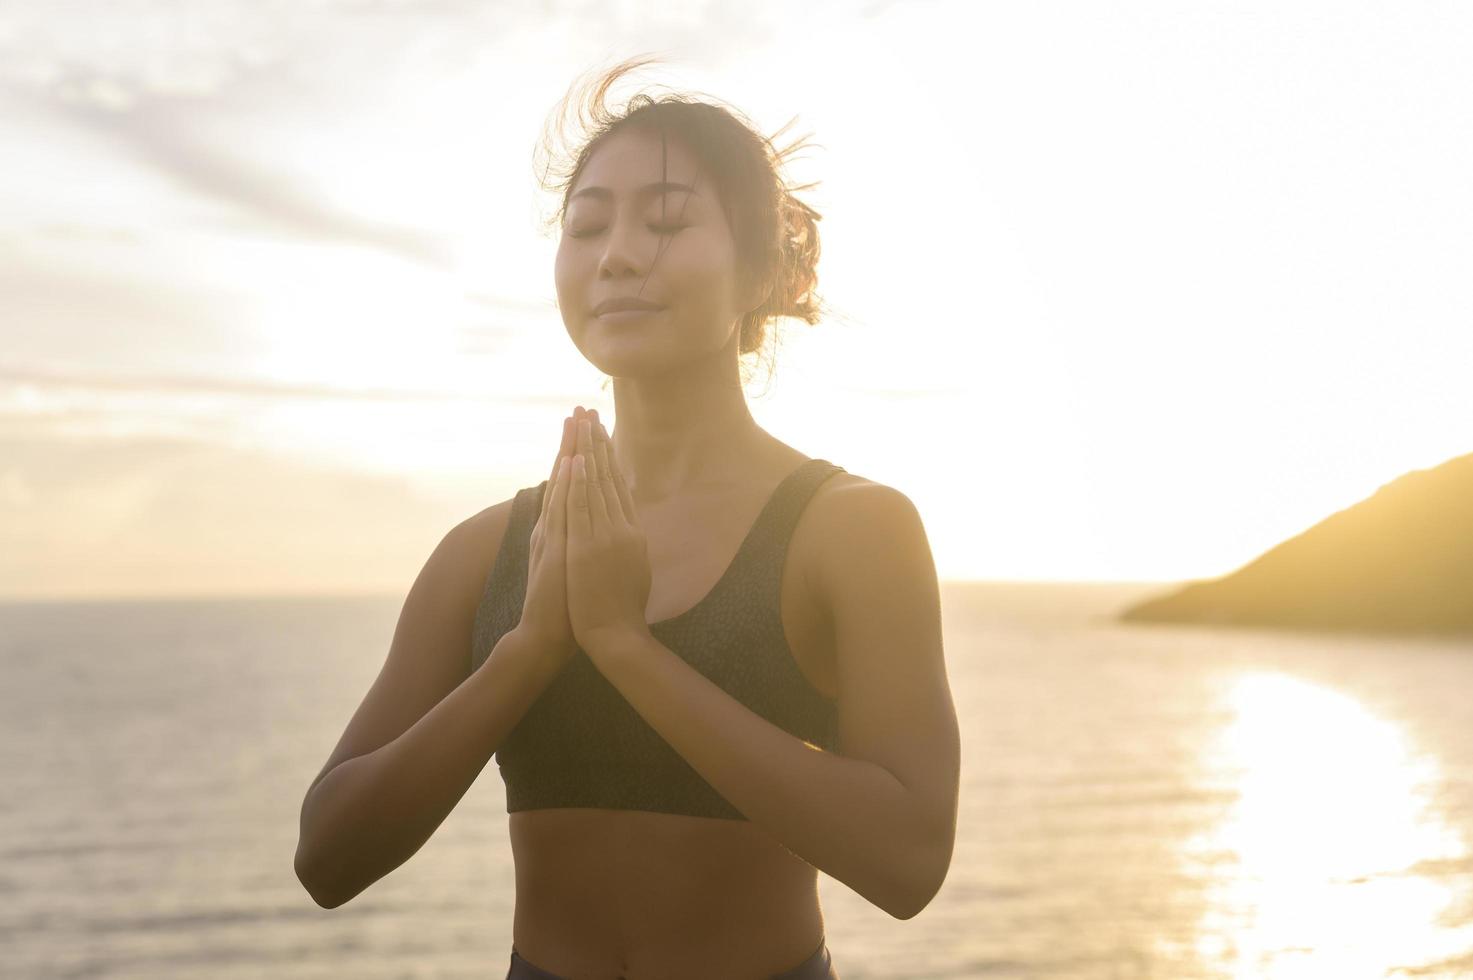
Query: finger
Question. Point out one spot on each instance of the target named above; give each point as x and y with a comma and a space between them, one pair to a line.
618, 488
593, 488
563, 449
598, 503
602, 453
558, 505
557, 509
583, 435
579, 522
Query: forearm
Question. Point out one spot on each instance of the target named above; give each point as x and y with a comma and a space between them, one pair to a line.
370, 814
848, 817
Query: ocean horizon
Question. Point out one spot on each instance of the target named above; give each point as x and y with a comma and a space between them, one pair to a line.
1136, 801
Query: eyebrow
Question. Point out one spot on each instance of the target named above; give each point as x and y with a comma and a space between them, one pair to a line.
659, 187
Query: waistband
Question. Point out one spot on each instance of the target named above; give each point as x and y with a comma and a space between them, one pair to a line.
818, 966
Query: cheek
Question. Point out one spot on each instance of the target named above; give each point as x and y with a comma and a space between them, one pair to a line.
562, 263
571, 293
696, 263
569, 276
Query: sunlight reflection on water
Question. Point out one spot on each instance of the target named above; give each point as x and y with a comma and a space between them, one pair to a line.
1332, 818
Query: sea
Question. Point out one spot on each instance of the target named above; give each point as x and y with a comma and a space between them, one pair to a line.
1137, 801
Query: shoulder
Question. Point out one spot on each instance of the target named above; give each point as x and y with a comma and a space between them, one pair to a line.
844, 499
465, 555
483, 530
858, 527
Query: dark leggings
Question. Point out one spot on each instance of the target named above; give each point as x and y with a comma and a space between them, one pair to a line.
819, 966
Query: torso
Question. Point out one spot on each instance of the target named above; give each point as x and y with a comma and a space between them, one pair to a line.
625, 893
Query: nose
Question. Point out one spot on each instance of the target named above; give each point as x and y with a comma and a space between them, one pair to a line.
622, 252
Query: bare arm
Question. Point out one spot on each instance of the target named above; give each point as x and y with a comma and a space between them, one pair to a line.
425, 729
370, 814
880, 815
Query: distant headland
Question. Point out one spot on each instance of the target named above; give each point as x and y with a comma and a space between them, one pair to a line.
1400, 561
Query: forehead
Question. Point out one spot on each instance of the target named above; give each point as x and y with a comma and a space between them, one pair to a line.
629, 160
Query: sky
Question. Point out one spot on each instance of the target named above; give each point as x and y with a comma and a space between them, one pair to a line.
1125, 291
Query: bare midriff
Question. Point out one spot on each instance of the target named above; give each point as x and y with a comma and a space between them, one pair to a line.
627, 893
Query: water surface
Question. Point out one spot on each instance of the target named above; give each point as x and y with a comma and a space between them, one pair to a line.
1142, 801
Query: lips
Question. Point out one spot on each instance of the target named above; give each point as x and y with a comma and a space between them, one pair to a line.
620, 304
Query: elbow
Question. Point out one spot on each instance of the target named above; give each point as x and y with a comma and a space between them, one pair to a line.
920, 878
317, 884
901, 889
320, 862
908, 904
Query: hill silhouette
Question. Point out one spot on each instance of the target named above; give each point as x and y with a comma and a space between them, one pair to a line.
1400, 561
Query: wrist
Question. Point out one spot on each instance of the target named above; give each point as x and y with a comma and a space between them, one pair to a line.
615, 644
542, 644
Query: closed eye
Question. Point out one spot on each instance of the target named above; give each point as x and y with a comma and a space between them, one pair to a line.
662, 229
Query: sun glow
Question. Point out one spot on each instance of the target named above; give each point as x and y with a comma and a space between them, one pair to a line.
1324, 866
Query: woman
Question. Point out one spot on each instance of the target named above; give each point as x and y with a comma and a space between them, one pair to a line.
708, 665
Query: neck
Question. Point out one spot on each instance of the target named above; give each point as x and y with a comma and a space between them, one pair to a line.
688, 428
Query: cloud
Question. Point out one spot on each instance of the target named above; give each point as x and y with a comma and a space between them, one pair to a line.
149, 516
152, 383
164, 135
209, 102
165, 384
113, 317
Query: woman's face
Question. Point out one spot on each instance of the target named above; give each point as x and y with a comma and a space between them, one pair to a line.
624, 238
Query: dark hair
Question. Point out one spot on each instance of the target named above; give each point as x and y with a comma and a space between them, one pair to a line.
776, 234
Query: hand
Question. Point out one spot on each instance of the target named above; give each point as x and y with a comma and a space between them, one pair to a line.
607, 559
545, 607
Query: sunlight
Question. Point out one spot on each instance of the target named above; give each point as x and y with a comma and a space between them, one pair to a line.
1330, 823
349, 317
